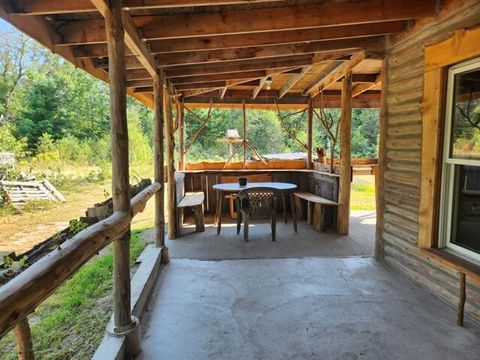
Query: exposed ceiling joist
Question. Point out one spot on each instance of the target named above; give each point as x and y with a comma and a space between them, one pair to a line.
218, 77
335, 75
288, 85
365, 86
47, 7
332, 49
259, 87
244, 21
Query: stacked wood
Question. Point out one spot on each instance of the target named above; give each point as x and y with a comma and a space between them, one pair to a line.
18, 193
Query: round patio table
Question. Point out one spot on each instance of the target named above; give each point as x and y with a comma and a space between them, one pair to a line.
284, 188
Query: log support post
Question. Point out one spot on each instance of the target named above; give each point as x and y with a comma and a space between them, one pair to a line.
159, 167
23, 337
343, 218
309, 133
124, 324
181, 135
170, 144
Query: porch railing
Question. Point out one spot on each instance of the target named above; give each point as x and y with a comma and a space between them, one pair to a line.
20, 296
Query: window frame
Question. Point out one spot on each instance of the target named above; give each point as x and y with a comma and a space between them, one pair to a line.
449, 167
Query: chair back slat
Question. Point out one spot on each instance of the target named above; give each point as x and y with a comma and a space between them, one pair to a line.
259, 202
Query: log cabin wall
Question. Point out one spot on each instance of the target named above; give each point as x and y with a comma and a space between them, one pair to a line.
403, 149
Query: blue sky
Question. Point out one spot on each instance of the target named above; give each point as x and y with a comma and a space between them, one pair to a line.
5, 26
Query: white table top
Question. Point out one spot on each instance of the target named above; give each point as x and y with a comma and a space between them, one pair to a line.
236, 187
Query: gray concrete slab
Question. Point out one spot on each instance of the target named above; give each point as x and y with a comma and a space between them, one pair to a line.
311, 308
228, 245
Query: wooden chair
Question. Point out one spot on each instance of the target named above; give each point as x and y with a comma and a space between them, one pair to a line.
256, 203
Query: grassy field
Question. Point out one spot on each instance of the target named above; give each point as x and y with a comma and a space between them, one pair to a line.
70, 324
363, 193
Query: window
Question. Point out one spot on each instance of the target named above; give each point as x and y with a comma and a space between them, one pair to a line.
460, 210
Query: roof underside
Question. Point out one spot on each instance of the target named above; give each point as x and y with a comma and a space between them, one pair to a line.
229, 51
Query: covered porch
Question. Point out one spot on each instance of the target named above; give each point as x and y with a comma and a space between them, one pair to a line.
310, 294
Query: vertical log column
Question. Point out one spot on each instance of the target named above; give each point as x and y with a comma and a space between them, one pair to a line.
123, 322
244, 142
309, 133
23, 337
343, 216
181, 135
380, 168
159, 166
169, 130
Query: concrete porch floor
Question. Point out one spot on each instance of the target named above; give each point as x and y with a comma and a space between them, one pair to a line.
310, 308
306, 243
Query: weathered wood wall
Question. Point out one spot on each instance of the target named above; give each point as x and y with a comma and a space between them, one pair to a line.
405, 73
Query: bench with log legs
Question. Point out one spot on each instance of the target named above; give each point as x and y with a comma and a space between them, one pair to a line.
316, 214
193, 200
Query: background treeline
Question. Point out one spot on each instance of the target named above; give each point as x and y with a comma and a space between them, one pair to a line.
53, 116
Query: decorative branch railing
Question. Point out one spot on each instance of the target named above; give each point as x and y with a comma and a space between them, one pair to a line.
21, 295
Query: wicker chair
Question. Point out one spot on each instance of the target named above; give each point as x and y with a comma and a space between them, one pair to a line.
256, 203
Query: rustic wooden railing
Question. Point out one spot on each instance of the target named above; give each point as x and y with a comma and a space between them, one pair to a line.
20, 296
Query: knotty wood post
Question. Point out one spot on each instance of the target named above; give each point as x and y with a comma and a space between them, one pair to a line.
169, 130
244, 117
123, 322
343, 218
181, 135
23, 337
309, 133
159, 166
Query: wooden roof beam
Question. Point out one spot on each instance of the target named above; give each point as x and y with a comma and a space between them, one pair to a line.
132, 39
276, 38
49, 7
245, 21
293, 81
360, 88
335, 75
259, 87
218, 77
336, 48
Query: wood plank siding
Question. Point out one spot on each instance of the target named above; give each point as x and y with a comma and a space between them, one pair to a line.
403, 151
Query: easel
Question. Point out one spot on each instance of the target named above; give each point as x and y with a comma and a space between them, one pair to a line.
244, 143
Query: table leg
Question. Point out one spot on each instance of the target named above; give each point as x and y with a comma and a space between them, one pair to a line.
284, 206
218, 215
294, 211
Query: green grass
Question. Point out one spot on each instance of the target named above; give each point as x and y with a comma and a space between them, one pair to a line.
362, 197
71, 323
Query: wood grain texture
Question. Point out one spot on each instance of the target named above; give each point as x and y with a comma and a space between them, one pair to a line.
158, 160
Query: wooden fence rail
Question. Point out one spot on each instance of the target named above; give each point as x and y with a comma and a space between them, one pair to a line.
20, 296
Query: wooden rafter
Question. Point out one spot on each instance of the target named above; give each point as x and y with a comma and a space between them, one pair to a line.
365, 86
335, 75
337, 48
218, 77
48, 7
293, 81
259, 87
233, 21
276, 38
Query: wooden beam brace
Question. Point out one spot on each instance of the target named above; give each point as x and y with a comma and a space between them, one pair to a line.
335, 75
293, 81
259, 87
132, 40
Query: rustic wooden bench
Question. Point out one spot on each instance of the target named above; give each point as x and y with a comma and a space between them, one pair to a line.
194, 200
315, 209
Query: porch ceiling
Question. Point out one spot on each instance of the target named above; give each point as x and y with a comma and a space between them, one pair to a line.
225, 50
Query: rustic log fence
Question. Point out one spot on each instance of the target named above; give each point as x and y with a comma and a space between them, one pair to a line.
24, 293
